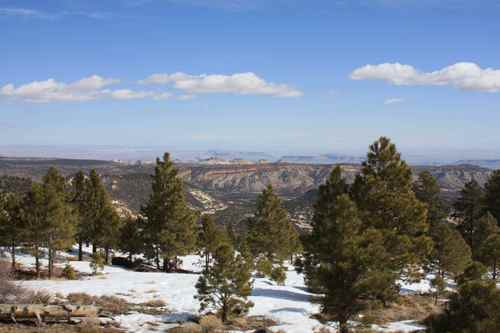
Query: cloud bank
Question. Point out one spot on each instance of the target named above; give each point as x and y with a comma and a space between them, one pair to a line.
463, 75
239, 84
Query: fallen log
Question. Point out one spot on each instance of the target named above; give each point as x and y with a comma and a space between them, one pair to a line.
43, 313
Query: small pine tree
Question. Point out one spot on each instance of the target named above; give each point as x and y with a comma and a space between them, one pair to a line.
270, 233
210, 238
469, 208
130, 238
97, 262
226, 285
427, 190
12, 228
490, 254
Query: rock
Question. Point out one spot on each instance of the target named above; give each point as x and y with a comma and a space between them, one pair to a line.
240, 322
210, 322
263, 330
186, 328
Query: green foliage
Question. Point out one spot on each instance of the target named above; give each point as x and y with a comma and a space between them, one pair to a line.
97, 262
427, 191
475, 271
469, 208
210, 237
170, 225
12, 226
451, 255
271, 235
226, 285
490, 254
69, 272
366, 237
492, 195
474, 309
130, 236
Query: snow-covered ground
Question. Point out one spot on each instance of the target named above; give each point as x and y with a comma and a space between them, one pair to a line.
289, 304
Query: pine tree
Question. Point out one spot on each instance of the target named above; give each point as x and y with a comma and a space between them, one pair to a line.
59, 218
98, 210
450, 256
383, 193
427, 190
34, 219
485, 227
271, 234
469, 208
170, 225
344, 261
12, 229
492, 195
490, 254
80, 202
130, 239
226, 285
210, 238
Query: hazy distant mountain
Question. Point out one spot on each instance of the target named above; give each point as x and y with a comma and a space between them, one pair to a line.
490, 164
321, 159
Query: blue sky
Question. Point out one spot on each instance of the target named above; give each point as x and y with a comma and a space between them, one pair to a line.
290, 76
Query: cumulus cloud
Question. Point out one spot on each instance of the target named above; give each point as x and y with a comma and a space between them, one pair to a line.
463, 75
86, 89
396, 100
239, 83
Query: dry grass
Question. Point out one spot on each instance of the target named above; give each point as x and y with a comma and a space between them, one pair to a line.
57, 328
408, 307
154, 303
112, 304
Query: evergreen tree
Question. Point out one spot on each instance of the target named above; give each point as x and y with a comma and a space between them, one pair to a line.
34, 219
492, 195
474, 309
170, 225
58, 224
210, 238
98, 219
486, 226
469, 208
490, 254
450, 256
226, 285
345, 262
271, 235
111, 232
130, 239
11, 223
383, 193
427, 190
80, 203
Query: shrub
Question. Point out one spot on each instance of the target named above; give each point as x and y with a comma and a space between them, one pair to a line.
97, 263
69, 272
155, 303
10, 292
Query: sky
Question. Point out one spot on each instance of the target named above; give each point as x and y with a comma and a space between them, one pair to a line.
291, 76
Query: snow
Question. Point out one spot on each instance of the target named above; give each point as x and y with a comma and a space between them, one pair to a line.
289, 304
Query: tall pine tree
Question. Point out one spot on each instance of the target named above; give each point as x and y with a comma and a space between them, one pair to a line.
170, 225
12, 228
492, 195
387, 203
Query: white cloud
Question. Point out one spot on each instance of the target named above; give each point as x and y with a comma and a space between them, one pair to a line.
463, 75
390, 101
86, 89
239, 83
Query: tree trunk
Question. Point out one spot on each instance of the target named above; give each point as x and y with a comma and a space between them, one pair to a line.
106, 252
37, 262
13, 255
50, 262
94, 249
343, 328
80, 250
207, 260
157, 258
494, 270
130, 258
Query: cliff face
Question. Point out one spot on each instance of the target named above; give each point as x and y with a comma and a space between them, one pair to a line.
300, 178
